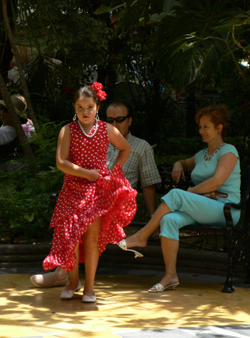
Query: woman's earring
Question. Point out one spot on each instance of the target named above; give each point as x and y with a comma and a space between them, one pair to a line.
97, 117
74, 117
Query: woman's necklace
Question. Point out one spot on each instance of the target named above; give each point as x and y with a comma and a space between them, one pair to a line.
208, 158
84, 132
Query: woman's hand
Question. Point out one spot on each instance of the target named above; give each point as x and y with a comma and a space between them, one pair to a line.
93, 175
178, 171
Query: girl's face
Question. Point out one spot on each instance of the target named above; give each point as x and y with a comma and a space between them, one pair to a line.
86, 110
209, 132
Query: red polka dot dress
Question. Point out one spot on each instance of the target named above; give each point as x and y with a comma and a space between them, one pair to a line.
80, 201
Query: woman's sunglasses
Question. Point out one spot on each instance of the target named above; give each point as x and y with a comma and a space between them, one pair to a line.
118, 119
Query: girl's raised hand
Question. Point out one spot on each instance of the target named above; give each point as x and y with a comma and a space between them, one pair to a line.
93, 175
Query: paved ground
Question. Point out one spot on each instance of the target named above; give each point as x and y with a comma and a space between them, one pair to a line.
124, 308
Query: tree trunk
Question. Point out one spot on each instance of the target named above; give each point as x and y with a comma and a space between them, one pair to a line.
5, 47
19, 65
17, 124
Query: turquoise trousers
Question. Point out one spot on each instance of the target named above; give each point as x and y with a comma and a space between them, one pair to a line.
189, 209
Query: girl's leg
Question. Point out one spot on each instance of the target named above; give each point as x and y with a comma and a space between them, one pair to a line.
74, 274
140, 238
91, 252
170, 249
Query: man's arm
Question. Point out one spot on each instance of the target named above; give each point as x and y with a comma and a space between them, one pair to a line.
149, 197
149, 176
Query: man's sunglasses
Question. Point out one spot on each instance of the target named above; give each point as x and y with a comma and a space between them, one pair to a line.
118, 119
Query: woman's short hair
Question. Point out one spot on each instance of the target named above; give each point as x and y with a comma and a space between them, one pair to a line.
217, 115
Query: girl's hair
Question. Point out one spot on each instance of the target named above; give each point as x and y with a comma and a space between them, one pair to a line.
86, 91
217, 115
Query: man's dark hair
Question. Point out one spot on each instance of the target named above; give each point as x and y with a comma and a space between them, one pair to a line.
121, 103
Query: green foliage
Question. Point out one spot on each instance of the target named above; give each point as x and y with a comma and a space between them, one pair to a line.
24, 196
24, 204
191, 40
184, 44
44, 145
196, 42
236, 92
133, 13
180, 145
70, 28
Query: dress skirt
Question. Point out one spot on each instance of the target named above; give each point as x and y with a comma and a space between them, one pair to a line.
79, 204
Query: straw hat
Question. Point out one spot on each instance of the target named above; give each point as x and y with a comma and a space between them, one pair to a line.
20, 105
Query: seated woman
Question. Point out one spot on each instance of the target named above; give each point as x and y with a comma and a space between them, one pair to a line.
7, 130
215, 172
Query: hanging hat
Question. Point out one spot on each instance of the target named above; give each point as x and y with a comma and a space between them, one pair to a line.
20, 105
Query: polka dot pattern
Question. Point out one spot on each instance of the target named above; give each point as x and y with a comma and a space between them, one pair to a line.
80, 202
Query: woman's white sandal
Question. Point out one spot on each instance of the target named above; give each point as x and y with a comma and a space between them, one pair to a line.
160, 288
123, 245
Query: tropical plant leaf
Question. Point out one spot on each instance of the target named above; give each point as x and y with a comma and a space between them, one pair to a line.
29, 217
103, 9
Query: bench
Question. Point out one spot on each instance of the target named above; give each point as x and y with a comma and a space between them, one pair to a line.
236, 238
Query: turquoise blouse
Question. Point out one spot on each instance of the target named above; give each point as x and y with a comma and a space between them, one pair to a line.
205, 169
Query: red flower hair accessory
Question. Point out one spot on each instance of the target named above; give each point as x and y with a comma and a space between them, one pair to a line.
97, 86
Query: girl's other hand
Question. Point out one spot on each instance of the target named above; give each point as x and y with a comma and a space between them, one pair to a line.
93, 175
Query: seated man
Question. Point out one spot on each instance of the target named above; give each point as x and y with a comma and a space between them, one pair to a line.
140, 167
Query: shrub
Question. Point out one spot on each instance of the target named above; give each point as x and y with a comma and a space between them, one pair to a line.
24, 204
24, 196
